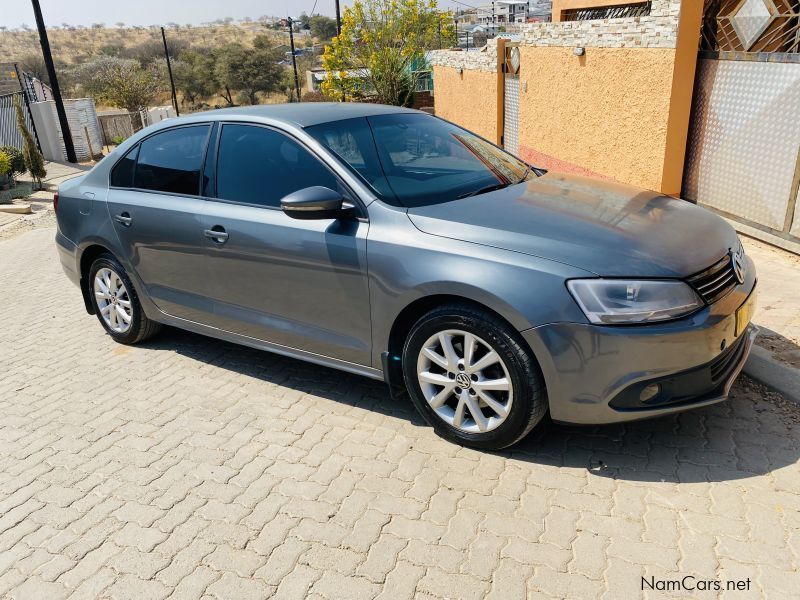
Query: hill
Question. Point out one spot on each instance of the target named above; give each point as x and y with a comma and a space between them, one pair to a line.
74, 45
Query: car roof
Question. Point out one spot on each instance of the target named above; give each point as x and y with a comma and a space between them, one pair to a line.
306, 114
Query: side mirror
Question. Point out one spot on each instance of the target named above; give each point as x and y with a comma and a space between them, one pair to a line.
315, 202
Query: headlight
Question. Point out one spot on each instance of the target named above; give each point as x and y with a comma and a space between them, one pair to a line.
625, 301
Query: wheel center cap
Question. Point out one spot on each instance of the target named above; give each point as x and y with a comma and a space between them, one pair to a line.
463, 381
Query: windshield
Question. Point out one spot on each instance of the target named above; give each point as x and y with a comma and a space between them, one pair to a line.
414, 159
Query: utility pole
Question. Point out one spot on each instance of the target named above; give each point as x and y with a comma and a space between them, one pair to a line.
294, 59
338, 33
51, 74
169, 70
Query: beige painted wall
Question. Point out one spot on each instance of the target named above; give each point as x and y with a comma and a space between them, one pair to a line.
607, 111
468, 99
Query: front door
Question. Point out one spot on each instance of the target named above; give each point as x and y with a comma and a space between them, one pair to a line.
156, 211
301, 284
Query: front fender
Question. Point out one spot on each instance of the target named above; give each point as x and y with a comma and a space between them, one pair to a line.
406, 265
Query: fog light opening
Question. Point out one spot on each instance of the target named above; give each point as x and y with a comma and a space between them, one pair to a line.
650, 392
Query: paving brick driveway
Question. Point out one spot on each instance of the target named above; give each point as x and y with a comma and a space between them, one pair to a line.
193, 467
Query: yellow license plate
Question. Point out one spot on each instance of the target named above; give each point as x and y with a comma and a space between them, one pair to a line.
744, 313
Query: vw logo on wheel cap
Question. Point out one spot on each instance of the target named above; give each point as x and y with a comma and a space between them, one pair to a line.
463, 380
737, 264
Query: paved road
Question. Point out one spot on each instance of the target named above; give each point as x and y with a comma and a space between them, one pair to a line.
197, 468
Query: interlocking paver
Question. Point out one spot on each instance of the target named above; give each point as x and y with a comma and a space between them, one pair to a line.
190, 467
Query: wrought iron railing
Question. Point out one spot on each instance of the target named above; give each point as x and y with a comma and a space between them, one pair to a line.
751, 26
620, 11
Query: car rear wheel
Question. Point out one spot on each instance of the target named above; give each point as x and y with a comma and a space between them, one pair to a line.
115, 302
471, 377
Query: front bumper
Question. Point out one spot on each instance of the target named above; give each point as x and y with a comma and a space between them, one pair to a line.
594, 374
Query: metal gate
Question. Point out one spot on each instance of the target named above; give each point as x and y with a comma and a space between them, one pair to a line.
9, 133
743, 156
511, 99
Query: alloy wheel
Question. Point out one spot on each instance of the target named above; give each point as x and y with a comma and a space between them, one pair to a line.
113, 300
464, 381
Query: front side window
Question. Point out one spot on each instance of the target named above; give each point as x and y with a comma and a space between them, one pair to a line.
257, 165
171, 161
421, 160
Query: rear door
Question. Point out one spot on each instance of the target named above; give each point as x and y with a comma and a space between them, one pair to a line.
301, 284
155, 205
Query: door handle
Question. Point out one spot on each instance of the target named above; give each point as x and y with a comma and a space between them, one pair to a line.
216, 234
124, 219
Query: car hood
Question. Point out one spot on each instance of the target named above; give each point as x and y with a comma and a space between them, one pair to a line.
607, 228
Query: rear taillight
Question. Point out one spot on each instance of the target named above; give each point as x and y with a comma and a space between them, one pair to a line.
55, 202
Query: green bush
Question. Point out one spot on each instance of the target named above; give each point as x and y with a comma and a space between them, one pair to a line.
5, 163
16, 157
117, 139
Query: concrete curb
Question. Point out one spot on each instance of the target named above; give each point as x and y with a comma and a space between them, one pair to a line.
774, 374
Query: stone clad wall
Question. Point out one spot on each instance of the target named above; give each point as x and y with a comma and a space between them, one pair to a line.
484, 59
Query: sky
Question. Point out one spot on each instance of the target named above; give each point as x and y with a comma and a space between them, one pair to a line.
158, 12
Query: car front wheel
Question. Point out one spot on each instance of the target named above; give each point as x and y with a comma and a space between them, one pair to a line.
472, 378
116, 304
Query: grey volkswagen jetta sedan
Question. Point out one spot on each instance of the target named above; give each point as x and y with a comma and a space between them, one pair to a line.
389, 243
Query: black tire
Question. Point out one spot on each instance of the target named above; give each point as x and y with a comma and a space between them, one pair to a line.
141, 328
529, 404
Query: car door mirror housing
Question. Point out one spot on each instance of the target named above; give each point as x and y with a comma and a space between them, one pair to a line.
316, 202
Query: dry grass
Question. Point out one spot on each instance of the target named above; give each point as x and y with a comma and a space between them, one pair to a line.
78, 45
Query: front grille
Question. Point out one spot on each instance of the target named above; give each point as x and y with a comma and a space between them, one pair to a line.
723, 365
716, 281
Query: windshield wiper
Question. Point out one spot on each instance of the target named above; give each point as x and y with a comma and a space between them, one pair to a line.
484, 190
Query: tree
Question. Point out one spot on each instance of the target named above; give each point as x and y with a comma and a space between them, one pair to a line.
194, 75
33, 64
322, 27
119, 82
248, 70
152, 50
34, 161
382, 47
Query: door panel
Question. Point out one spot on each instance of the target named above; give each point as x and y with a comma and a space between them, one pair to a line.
164, 244
156, 210
301, 284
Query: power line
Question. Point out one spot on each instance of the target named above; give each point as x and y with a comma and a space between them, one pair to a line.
465, 4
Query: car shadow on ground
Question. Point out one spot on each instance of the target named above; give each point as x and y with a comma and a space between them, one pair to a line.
753, 433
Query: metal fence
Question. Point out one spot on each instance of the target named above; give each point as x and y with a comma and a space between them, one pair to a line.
10, 134
622, 11
751, 26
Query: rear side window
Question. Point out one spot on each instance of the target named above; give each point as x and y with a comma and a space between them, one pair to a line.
172, 161
122, 173
260, 166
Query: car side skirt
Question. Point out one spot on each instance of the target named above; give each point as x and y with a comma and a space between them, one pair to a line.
235, 338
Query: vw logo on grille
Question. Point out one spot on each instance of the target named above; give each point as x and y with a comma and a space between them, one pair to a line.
737, 264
